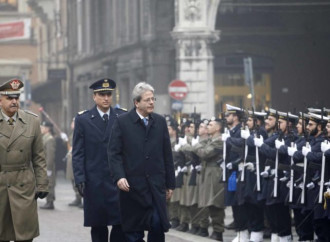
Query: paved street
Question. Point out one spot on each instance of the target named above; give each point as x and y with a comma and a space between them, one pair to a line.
65, 224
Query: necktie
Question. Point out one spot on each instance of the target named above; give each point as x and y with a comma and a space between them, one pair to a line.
106, 117
145, 121
11, 121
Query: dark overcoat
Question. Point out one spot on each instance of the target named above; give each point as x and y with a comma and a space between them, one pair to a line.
143, 156
90, 165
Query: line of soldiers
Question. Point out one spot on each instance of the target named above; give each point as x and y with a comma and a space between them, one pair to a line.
265, 165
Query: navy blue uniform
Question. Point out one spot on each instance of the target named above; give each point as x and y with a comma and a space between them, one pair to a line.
90, 166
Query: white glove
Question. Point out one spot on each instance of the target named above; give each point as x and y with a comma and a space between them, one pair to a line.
184, 169
258, 141
229, 166
305, 150
292, 150
195, 141
325, 146
279, 143
64, 137
265, 173
225, 136
183, 141
245, 134
249, 166
198, 168
283, 179
310, 185
177, 147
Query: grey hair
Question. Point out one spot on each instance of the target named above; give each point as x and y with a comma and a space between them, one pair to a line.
139, 89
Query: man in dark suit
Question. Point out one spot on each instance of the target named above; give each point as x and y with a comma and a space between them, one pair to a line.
141, 163
90, 164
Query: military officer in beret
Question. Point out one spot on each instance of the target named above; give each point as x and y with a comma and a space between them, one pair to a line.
23, 176
90, 164
49, 148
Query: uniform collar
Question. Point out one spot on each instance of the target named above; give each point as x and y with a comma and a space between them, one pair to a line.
102, 113
6, 118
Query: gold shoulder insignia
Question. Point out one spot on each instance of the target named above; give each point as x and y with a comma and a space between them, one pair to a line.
82, 112
124, 109
29, 112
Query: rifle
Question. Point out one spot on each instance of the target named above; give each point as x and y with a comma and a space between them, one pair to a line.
257, 135
275, 193
223, 164
291, 183
322, 178
195, 161
244, 119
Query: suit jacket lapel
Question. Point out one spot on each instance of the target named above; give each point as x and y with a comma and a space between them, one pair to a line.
4, 127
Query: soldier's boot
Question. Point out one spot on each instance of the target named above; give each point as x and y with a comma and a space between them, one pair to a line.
287, 238
256, 236
216, 236
231, 225
203, 232
184, 227
194, 229
48, 205
175, 223
274, 238
76, 202
242, 236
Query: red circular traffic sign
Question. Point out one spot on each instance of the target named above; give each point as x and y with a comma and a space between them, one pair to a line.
178, 89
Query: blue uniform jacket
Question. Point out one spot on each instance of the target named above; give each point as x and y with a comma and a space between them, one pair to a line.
90, 165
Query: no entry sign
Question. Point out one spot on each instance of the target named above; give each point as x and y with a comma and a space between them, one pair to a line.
178, 89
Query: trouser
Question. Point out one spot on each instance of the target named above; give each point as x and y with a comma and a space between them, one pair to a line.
75, 190
194, 218
203, 217
51, 193
184, 214
156, 232
174, 210
255, 213
322, 230
240, 215
101, 233
279, 219
303, 224
217, 215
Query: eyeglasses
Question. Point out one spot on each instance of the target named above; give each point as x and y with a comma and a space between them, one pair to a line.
152, 99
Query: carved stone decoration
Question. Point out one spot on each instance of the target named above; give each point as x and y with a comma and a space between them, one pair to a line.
192, 10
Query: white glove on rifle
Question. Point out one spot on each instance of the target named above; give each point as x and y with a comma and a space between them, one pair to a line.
258, 141
194, 141
245, 134
229, 166
225, 136
325, 146
177, 147
292, 150
279, 143
198, 168
183, 141
249, 166
305, 150
184, 169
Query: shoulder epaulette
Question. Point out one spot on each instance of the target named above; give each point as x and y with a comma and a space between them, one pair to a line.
123, 109
82, 112
29, 112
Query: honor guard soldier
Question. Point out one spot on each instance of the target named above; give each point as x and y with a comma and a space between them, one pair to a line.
234, 149
312, 153
23, 176
49, 148
90, 164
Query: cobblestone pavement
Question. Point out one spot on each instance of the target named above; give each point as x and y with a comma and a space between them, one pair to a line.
65, 224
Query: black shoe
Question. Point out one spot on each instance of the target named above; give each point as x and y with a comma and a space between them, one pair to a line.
230, 226
184, 227
75, 203
175, 223
48, 205
203, 232
216, 236
194, 230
